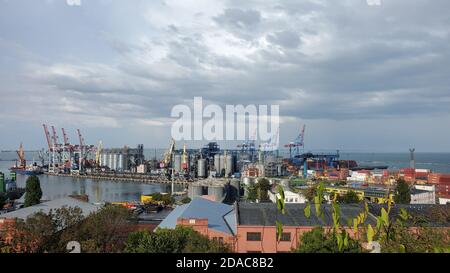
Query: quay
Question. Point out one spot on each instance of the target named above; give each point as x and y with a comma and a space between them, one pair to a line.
145, 179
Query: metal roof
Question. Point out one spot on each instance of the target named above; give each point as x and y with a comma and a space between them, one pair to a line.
266, 214
45, 207
221, 217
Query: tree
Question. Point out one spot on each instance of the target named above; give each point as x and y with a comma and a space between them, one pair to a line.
402, 192
252, 193
2, 200
319, 241
350, 197
104, 231
186, 200
262, 187
33, 192
42, 232
178, 240
310, 193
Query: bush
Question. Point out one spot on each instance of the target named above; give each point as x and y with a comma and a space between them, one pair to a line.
178, 240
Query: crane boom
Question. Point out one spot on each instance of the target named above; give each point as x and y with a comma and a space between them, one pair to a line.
55, 137
47, 135
66, 139
80, 137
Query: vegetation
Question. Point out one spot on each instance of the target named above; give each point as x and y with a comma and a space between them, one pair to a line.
259, 191
310, 193
33, 192
167, 199
2, 200
41, 232
101, 232
402, 192
186, 200
319, 241
350, 197
179, 240
406, 233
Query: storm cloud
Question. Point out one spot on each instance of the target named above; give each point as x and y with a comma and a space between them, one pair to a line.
120, 66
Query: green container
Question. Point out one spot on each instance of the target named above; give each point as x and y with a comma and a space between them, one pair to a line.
13, 176
2, 182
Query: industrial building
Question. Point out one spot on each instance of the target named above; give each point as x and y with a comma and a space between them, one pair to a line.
122, 159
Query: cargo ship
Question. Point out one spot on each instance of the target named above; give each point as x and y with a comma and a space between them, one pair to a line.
22, 168
27, 170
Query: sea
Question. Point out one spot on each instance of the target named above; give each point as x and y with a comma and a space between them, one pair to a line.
113, 191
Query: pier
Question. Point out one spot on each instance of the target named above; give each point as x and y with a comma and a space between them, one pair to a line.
136, 178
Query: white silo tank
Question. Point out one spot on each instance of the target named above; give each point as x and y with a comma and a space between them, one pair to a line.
217, 166
201, 168
229, 166
121, 165
222, 163
115, 159
110, 161
105, 160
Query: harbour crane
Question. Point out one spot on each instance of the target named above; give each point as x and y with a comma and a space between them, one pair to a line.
168, 155
297, 143
21, 155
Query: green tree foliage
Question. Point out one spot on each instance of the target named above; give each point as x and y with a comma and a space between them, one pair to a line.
166, 198
350, 197
33, 192
186, 200
178, 240
259, 191
43, 232
319, 241
252, 193
310, 193
402, 192
2, 200
263, 186
102, 232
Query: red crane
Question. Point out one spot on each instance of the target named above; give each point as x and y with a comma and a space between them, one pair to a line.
47, 135
55, 137
66, 139
81, 139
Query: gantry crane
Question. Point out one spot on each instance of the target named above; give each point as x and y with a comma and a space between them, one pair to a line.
296, 144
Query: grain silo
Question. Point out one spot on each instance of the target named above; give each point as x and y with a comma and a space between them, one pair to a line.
201, 172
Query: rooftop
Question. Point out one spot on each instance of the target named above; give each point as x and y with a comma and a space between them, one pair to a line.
220, 217
265, 214
45, 207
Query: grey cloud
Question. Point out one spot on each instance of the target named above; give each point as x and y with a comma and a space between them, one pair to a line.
288, 39
239, 18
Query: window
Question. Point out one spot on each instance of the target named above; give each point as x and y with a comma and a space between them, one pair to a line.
285, 237
253, 236
192, 221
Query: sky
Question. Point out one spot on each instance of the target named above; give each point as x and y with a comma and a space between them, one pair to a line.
361, 77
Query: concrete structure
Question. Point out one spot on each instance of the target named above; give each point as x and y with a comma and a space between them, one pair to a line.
423, 194
122, 159
213, 219
141, 169
290, 197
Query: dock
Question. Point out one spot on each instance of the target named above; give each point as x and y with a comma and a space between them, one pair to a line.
132, 178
